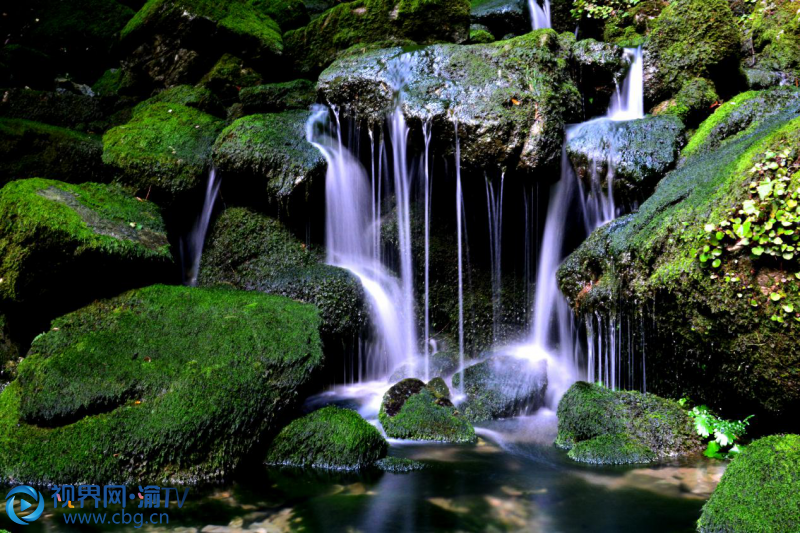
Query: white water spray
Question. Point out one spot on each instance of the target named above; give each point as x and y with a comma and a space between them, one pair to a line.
628, 102
540, 14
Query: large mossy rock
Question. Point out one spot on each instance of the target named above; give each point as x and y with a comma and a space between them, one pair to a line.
31, 149
361, 22
690, 39
760, 490
775, 37
410, 410
251, 251
510, 99
329, 438
60, 242
501, 17
501, 387
268, 154
197, 97
602, 426
637, 153
165, 383
708, 330
165, 149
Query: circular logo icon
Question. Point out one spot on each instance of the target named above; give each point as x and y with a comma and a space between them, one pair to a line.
24, 504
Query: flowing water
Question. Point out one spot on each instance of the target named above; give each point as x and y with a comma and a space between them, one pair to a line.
194, 243
540, 14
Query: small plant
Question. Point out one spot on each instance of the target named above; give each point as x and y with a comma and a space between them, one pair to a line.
724, 433
601, 9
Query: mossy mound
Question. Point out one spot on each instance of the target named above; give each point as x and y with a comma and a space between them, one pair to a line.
252, 251
480, 36
165, 383
775, 32
165, 149
330, 438
602, 425
67, 110
500, 17
228, 76
276, 97
691, 39
693, 103
502, 386
315, 46
200, 98
109, 83
76, 241
411, 411
30, 149
759, 490
268, 153
709, 332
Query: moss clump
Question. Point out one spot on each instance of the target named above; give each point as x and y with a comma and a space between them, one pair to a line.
110, 83
775, 32
411, 411
162, 383
269, 152
602, 425
693, 103
165, 147
480, 37
275, 97
30, 149
77, 240
759, 490
315, 46
255, 252
331, 438
200, 98
691, 39
228, 76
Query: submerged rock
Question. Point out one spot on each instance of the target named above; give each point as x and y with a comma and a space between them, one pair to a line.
501, 17
329, 438
637, 153
501, 387
411, 411
72, 243
602, 426
399, 465
165, 383
759, 490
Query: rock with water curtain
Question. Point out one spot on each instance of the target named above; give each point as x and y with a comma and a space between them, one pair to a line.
164, 151
774, 34
715, 314
760, 490
163, 384
600, 70
61, 243
330, 438
510, 99
252, 251
268, 154
634, 153
501, 387
603, 426
362, 22
411, 410
501, 17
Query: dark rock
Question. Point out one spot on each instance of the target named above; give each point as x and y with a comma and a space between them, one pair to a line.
21, 66
228, 76
77, 112
501, 17
276, 97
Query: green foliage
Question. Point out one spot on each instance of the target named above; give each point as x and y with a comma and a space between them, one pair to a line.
601, 9
724, 434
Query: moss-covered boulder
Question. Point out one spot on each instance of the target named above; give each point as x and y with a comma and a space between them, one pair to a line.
410, 410
691, 39
693, 103
228, 76
30, 149
361, 22
276, 97
329, 438
602, 426
774, 32
500, 17
197, 97
64, 109
510, 99
252, 251
61, 241
165, 149
640, 152
501, 387
759, 490
162, 383
268, 153
713, 330
289, 14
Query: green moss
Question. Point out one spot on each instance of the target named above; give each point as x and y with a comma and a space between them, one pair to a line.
200, 98
410, 411
163, 383
295, 94
228, 76
165, 147
601, 425
759, 490
255, 252
289, 14
9, 351
109, 83
775, 31
399, 465
331, 438
30, 149
480, 36
693, 103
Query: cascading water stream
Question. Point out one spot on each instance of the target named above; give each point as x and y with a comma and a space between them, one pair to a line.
540, 14
197, 237
628, 102
494, 208
426, 133
459, 237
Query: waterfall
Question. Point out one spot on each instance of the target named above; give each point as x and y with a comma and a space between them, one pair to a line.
628, 102
459, 237
197, 237
540, 15
494, 209
426, 132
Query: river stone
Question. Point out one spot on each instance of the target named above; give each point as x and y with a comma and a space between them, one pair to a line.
166, 384
637, 152
501, 387
510, 99
602, 426
501, 17
411, 411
